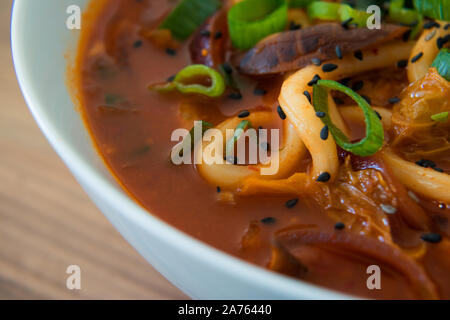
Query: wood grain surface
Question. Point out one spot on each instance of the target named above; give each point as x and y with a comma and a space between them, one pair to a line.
46, 220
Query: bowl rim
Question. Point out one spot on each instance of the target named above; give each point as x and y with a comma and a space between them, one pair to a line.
130, 210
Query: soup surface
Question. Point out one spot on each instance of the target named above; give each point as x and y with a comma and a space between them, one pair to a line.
328, 234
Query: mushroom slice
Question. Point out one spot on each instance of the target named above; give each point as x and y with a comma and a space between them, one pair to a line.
348, 243
292, 50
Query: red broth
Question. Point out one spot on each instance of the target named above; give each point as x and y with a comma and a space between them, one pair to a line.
132, 127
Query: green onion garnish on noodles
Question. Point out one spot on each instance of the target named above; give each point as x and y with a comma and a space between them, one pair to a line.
252, 20
440, 117
406, 16
324, 10
337, 12
374, 128
358, 17
436, 9
183, 82
188, 15
442, 63
299, 3
241, 127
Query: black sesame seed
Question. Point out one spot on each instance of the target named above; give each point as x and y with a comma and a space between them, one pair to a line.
307, 95
218, 189
281, 113
205, 33
426, 163
316, 61
447, 26
320, 114
265, 146
314, 80
406, 35
227, 68
328, 67
138, 44
235, 95
171, 52
259, 92
268, 220
438, 169
344, 81
324, 177
171, 78
394, 100
231, 159
402, 63
244, 114
431, 24
440, 42
358, 55
417, 57
338, 101
324, 133
339, 226
378, 115
294, 26
357, 85
291, 203
431, 237
338, 51
367, 99
218, 35
346, 23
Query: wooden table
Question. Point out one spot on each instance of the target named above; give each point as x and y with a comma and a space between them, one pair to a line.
46, 220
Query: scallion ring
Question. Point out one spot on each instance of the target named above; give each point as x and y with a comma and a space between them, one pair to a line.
442, 63
182, 82
252, 20
299, 3
436, 9
188, 15
358, 17
337, 12
440, 117
406, 16
374, 128
324, 10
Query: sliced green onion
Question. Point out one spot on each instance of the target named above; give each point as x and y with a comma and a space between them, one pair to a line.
189, 144
405, 16
374, 128
440, 117
241, 127
402, 15
442, 63
188, 15
193, 72
364, 4
337, 12
299, 3
324, 10
359, 17
436, 9
252, 20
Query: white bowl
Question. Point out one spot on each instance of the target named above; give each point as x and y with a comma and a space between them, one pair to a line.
40, 42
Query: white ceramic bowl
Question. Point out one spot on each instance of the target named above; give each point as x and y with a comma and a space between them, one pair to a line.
40, 42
